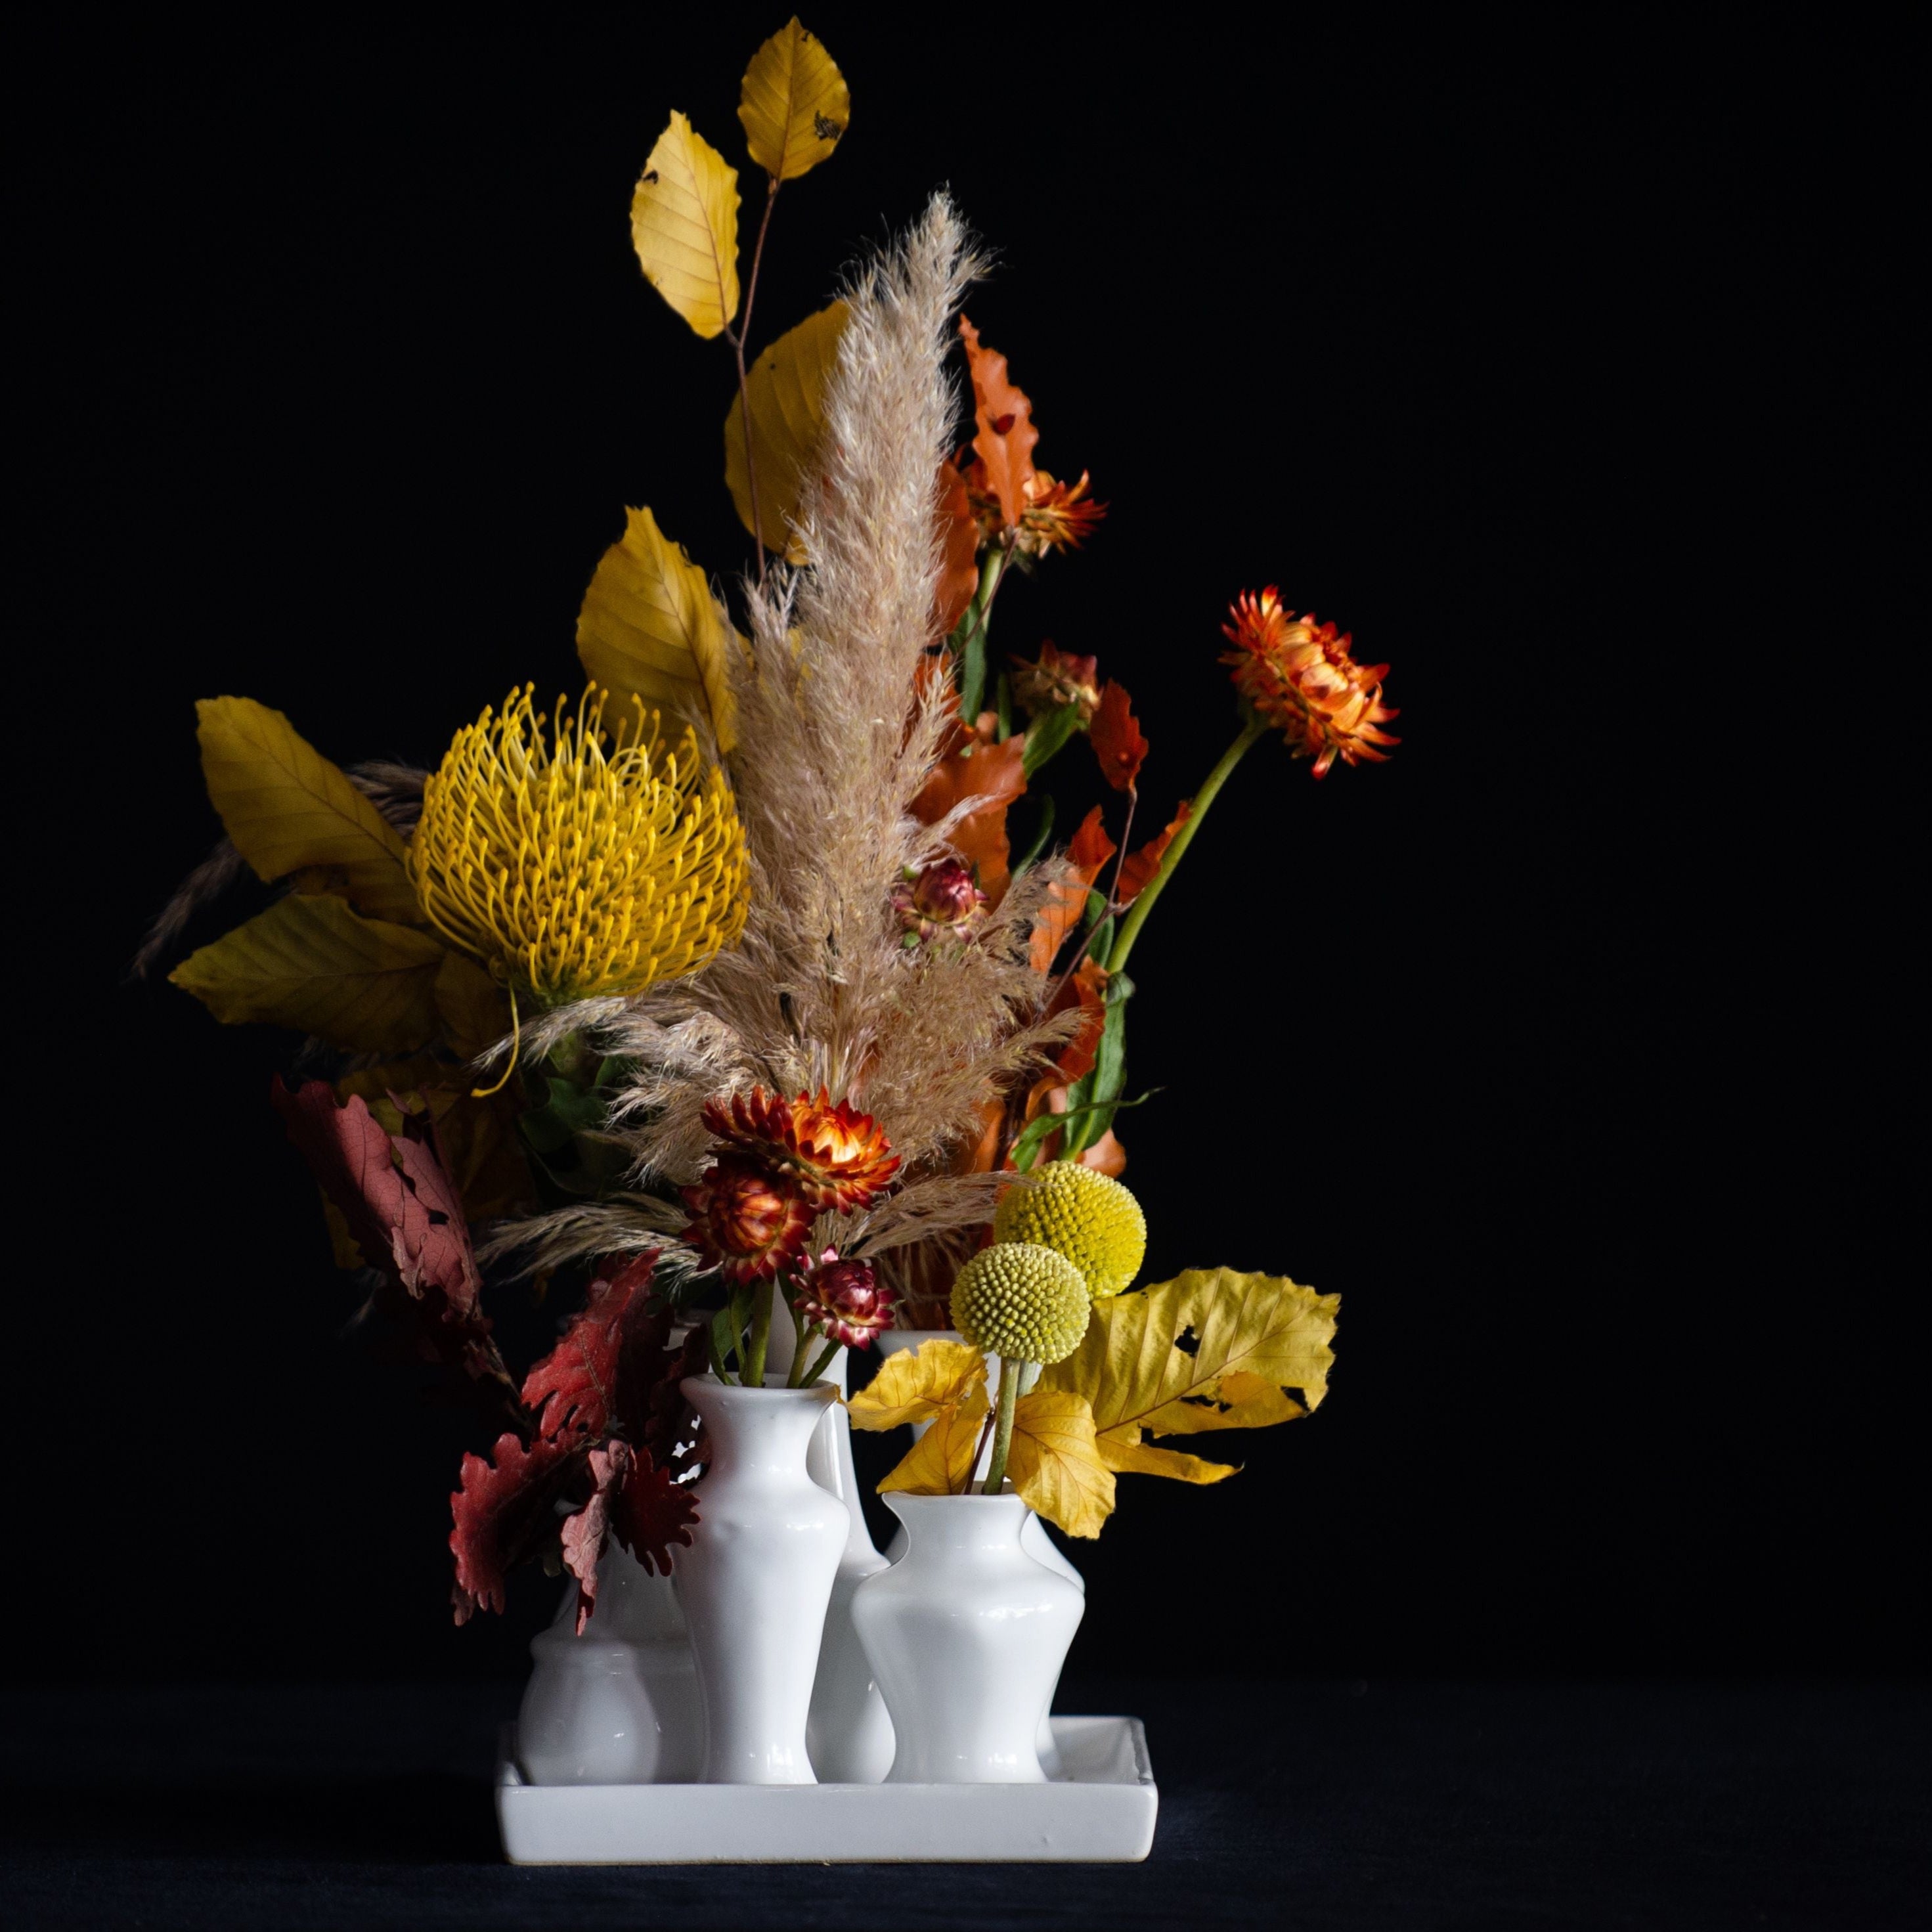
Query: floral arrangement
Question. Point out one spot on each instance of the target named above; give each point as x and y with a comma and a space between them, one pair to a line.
721, 987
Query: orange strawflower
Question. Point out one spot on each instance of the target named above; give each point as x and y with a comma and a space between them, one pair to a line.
1299, 675
744, 1222
835, 1157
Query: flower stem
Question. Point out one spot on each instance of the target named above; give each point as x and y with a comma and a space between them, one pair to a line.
754, 1376
1124, 940
1003, 1429
824, 1362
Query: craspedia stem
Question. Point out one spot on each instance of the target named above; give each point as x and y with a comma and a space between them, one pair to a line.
1003, 1429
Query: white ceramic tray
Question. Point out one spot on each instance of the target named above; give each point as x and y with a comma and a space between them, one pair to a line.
1102, 1811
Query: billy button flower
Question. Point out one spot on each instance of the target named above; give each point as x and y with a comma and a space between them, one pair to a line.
834, 1157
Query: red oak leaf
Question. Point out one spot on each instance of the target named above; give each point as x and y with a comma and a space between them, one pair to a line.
503, 1509
582, 1537
959, 549
406, 1220
670, 1432
577, 1389
1116, 737
1067, 900
1141, 866
651, 1511
1004, 444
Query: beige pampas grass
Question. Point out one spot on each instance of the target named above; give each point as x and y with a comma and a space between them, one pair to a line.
837, 735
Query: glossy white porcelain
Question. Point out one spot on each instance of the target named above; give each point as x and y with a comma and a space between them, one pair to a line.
618, 1705
966, 1634
755, 1584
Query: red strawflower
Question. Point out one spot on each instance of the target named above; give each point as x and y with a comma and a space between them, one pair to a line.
834, 1157
746, 1223
845, 1299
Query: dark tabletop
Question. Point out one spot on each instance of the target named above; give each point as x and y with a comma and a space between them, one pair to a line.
1445, 1807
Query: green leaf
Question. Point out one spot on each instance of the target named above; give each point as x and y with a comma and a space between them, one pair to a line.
1103, 1085
1048, 734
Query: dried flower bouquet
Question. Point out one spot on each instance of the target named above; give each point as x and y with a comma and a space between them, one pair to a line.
725, 973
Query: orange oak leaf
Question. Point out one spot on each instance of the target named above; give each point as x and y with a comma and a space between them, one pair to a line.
994, 775
1004, 444
1067, 900
1116, 734
959, 547
1139, 867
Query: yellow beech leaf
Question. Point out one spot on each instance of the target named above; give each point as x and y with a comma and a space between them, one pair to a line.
288, 809
649, 625
314, 965
940, 1463
794, 104
915, 1385
474, 1009
1260, 1354
1054, 1462
786, 386
684, 225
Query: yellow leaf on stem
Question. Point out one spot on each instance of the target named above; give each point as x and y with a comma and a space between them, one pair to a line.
786, 386
1260, 1355
286, 807
649, 626
915, 1385
794, 104
684, 225
940, 1463
315, 965
1055, 1465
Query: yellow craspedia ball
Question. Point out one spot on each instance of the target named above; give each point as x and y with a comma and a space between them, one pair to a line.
1020, 1301
1088, 1217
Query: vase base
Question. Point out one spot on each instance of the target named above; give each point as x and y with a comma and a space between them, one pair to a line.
1100, 1811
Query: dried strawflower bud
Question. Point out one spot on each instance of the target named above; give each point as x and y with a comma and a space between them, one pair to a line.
745, 1222
1059, 677
1086, 1216
940, 903
1021, 1302
845, 1298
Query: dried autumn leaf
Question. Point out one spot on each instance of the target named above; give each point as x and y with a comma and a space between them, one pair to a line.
1055, 1466
914, 1384
987, 777
787, 387
476, 1139
503, 1509
577, 1387
940, 1463
580, 1537
651, 1511
684, 225
1260, 1355
959, 550
794, 104
285, 807
1005, 436
1116, 736
315, 964
1140, 867
649, 626
474, 1009
1066, 904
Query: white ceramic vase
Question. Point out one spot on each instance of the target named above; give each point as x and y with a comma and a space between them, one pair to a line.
618, 1705
1033, 1538
755, 1583
966, 1634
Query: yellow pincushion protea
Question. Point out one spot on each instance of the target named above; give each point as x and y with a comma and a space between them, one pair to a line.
571, 871
1086, 1216
1021, 1302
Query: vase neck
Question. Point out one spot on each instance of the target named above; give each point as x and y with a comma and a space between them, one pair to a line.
938, 1524
758, 1429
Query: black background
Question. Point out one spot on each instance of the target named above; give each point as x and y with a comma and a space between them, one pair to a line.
1568, 1046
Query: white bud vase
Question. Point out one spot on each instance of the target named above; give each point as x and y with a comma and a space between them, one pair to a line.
1033, 1538
618, 1705
755, 1582
966, 1633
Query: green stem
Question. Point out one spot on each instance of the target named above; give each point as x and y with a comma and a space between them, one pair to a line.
972, 634
819, 1367
1124, 940
1003, 1429
754, 1376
